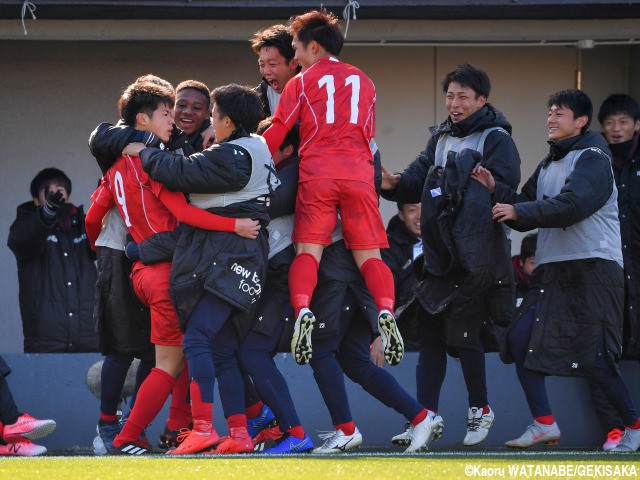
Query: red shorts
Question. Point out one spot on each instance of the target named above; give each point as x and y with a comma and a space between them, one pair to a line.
151, 284
317, 207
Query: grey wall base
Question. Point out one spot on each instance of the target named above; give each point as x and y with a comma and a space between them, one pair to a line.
53, 386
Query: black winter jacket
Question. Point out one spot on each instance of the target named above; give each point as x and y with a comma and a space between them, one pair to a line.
107, 141
220, 262
57, 277
399, 258
626, 173
576, 301
501, 157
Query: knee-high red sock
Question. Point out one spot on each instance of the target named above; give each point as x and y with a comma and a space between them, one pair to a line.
179, 409
202, 411
254, 410
303, 278
153, 392
379, 280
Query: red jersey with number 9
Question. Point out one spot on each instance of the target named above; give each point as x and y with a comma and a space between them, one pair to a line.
130, 188
335, 103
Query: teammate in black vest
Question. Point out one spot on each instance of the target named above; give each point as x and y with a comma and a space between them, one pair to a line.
216, 280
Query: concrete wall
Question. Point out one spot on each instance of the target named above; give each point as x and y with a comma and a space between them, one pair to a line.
55, 92
53, 386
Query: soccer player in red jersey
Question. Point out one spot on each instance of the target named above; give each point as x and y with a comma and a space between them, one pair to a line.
335, 105
147, 208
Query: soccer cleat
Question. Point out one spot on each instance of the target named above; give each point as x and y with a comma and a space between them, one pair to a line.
24, 448
238, 441
194, 441
613, 439
421, 435
107, 431
27, 427
269, 433
288, 444
391, 339
338, 442
536, 433
256, 424
630, 441
129, 448
478, 425
402, 439
301, 347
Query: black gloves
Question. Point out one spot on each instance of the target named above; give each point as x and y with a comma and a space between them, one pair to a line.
55, 205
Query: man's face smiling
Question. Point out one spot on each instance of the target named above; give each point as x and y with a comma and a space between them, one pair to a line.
562, 124
619, 128
461, 102
275, 68
192, 109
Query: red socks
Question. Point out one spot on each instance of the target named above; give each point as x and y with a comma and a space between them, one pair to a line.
347, 428
108, 418
379, 280
420, 417
201, 411
297, 432
303, 278
545, 419
635, 425
179, 409
254, 410
238, 420
153, 392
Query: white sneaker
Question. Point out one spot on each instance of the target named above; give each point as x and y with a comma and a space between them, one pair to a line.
613, 439
24, 448
478, 425
421, 435
338, 442
630, 441
391, 339
536, 433
301, 348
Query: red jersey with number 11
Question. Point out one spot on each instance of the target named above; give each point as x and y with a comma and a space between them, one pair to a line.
336, 105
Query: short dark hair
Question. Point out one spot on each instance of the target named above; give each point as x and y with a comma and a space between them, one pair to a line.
45, 177
143, 97
291, 138
618, 104
150, 77
469, 76
528, 246
277, 36
575, 100
241, 104
197, 86
321, 26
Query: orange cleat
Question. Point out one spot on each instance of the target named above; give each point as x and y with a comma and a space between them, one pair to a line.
194, 441
27, 427
238, 441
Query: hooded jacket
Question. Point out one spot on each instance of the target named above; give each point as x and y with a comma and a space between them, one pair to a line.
500, 156
576, 301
